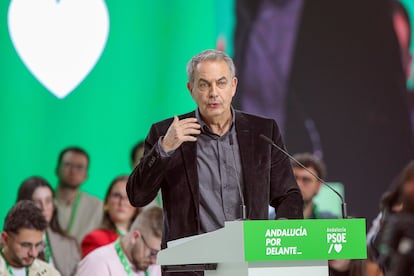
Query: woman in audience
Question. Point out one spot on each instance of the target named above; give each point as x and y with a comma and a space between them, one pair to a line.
61, 250
394, 201
118, 216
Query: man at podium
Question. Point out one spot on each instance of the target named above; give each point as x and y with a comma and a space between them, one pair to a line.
211, 164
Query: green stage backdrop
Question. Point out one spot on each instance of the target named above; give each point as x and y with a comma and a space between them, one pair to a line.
138, 79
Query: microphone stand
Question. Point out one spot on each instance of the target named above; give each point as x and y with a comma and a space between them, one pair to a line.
343, 204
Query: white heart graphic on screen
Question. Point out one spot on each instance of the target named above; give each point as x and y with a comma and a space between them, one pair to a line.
338, 248
59, 41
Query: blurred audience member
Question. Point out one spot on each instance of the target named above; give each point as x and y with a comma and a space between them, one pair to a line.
118, 216
391, 201
60, 249
132, 254
22, 238
79, 213
309, 185
394, 243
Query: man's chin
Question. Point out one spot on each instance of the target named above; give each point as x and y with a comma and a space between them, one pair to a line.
141, 267
307, 202
71, 186
27, 262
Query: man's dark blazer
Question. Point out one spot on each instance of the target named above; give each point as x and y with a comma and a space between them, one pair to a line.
267, 177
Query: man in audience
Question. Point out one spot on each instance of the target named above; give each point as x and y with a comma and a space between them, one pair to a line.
22, 240
309, 185
133, 254
78, 212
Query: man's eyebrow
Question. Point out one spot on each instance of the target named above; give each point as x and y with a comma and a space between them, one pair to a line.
220, 79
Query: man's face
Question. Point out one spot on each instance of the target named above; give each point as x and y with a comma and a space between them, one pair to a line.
21, 249
308, 184
213, 89
145, 251
72, 170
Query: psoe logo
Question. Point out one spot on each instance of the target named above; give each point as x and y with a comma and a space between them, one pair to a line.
335, 237
59, 41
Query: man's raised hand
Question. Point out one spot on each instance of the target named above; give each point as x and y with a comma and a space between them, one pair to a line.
180, 131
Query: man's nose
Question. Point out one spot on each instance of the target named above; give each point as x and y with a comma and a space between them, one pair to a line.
213, 90
33, 252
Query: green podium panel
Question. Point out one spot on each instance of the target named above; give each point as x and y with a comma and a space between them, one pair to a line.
316, 239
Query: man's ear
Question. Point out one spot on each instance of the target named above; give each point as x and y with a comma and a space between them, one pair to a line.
135, 235
5, 237
190, 87
234, 85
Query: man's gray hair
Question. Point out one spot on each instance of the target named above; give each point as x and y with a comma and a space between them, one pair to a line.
209, 55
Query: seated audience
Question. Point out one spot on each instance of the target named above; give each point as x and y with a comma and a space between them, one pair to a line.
60, 250
22, 241
396, 222
132, 254
118, 216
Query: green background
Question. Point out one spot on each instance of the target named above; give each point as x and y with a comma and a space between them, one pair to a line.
139, 79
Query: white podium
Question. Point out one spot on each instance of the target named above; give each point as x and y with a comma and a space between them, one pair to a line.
264, 248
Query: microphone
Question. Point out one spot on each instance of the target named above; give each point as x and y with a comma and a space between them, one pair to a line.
343, 204
243, 205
